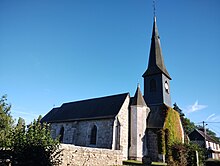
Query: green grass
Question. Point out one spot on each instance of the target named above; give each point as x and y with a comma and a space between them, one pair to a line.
134, 162
158, 163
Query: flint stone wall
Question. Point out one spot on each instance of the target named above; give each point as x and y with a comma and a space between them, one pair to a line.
152, 145
79, 132
78, 156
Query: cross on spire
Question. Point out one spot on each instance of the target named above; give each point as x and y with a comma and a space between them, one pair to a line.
154, 8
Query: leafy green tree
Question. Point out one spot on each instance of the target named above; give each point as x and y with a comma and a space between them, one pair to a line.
26, 145
185, 155
212, 134
6, 123
191, 156
21, 123
34, 145
188, 126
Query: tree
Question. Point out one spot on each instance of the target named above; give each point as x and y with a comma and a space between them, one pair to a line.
175, 107
212, 134
34, 145
26, 145
188, 126
21, 123
185, 155
6, 123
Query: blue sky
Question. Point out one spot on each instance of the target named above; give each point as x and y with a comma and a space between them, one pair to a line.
54, 51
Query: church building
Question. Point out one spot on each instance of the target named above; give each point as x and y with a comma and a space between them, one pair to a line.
123, 122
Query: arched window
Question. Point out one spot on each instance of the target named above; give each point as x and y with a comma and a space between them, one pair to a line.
61, 134
153, 85
93, 135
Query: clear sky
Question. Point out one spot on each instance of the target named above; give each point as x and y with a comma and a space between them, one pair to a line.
54, 51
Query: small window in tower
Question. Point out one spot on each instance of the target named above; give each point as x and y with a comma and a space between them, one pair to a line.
152, 85
61, 134
93, 135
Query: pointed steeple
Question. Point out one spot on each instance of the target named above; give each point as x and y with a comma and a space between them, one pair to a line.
138, 98
156, 63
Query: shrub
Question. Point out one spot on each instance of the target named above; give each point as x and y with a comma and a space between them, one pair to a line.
185, 155
34, 146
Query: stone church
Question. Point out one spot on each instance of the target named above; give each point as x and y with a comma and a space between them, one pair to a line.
121, 122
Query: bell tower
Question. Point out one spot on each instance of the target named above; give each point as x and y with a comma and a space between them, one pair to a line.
156, 77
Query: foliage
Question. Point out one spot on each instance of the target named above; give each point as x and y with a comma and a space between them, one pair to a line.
176, 107
132, 162
172, 123
188, 126
26, 145
191, 158
212, 134
34, 145
158, 163
168, 145
161, 141
6, 123
185, 155
179, 154
170, 134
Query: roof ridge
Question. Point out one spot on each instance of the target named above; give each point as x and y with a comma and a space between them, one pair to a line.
91, 99
105, 107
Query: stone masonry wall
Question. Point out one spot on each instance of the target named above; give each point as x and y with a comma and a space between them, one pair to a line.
79, 132
152, 145
123, 119
78, 156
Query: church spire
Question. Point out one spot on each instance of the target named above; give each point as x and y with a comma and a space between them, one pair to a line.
156, 63
138, 98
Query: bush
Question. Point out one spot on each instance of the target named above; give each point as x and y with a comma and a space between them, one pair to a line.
179, 154
185, 155
34, 145
192, 148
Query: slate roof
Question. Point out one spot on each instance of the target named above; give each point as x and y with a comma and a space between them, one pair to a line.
197, 134
103, 107
156, 63
138, 98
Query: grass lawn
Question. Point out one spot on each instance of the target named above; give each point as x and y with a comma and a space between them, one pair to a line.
134, 162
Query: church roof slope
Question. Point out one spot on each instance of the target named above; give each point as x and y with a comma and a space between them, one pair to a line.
156, 63
138, 98
103, 107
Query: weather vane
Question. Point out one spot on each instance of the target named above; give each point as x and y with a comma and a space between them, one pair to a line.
154, 8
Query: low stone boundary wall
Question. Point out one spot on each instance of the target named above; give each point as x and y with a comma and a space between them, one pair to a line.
87, 156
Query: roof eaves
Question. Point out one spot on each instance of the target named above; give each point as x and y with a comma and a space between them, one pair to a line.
208, 137
81, 119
